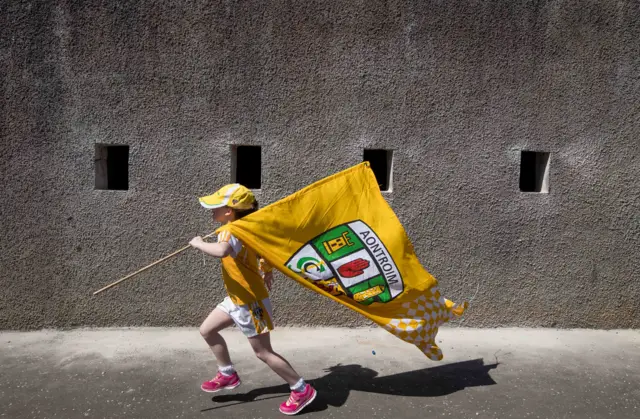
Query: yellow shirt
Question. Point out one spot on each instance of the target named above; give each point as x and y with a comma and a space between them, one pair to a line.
242, 272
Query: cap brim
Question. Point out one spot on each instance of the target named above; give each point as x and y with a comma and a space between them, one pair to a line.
210, 204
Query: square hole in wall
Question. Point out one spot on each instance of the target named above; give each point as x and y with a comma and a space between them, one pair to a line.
246, 165
381, 163
534, 171
112, 167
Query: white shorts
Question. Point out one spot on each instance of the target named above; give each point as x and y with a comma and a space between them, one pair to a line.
253, 319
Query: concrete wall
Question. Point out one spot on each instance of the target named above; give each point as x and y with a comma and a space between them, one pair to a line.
456, 88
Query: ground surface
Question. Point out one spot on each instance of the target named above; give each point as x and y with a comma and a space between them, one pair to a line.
359, 373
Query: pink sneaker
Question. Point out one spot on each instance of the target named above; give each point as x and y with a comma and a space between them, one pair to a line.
221, 382
298, 401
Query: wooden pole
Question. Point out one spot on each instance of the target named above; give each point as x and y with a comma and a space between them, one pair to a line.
148, 266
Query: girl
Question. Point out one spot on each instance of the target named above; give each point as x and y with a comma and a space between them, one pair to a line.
246, 278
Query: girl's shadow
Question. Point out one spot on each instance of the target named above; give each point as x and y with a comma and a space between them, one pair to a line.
334, 388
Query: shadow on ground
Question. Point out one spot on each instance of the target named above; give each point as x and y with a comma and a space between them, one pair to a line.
335, 387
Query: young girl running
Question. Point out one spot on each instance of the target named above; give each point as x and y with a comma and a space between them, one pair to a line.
246, 278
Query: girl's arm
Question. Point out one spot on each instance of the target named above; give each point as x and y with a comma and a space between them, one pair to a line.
264, 266
219, 250
267, 272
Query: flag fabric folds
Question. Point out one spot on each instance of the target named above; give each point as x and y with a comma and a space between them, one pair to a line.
340, 238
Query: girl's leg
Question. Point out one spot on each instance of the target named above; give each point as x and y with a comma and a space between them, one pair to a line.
261, 345
210, 328
302, 394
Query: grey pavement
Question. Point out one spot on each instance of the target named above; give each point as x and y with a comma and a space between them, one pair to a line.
359, 373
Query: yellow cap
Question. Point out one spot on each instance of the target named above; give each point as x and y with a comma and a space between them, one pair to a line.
233, 195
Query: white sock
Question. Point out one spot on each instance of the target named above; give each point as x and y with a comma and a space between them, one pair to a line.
299, 386
227, 370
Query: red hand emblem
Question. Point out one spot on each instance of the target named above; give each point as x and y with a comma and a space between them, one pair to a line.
353, 268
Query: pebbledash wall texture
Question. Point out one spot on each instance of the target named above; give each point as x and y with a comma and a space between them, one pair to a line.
458, 90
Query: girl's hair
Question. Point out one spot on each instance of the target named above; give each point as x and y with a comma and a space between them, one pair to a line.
242, 213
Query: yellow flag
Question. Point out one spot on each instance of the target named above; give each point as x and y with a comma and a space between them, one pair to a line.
340, 238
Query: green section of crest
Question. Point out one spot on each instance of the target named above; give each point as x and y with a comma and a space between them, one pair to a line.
379, 280
337, 243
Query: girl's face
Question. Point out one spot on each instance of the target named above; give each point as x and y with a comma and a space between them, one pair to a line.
222, 215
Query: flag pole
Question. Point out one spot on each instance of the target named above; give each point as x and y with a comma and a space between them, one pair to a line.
148, 266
